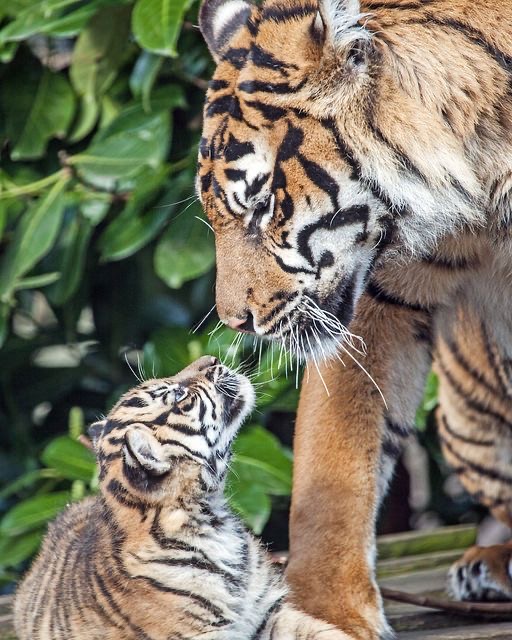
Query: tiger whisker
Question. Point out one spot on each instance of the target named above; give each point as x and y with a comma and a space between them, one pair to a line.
205, 222
131, 368
203, 320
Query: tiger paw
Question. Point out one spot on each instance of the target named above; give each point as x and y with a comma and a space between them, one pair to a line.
483, 573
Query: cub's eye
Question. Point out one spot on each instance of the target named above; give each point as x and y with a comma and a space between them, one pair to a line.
265, 206
180, 394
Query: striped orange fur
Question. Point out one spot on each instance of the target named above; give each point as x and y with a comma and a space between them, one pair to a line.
356, 166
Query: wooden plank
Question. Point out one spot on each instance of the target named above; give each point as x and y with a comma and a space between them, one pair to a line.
492, 631
412, 543
409, 564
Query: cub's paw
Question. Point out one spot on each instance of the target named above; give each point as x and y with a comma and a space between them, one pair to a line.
483, 573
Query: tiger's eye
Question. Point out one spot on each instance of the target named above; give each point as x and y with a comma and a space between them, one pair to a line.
265, 206
180, 394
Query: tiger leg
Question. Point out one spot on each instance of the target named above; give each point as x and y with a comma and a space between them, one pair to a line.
475, 428
346, 444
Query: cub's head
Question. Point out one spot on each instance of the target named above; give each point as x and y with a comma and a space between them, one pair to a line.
295, 227
171, 437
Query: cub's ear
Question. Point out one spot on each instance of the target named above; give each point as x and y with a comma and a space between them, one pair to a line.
219, 20
144, 449
95, 431
340, 19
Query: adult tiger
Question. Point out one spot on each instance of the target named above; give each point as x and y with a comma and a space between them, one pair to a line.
158, 555
356, 166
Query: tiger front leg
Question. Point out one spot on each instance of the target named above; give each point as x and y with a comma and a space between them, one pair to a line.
346, 444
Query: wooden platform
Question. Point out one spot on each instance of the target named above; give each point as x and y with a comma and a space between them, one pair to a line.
413, 563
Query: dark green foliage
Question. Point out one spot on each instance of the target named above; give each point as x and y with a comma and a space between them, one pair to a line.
105, 263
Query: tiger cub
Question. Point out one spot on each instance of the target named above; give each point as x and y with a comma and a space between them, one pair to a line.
158, 555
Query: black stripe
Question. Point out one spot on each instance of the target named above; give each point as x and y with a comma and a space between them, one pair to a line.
283, 13
253, 86
106, 592
477, 468
374, 290
471, 33
268, 111
267, 60
217, 85
478, 376
403, 158
474, 405
236, 149
192, 562
176, 443
402, 431
117, 491
272, 609
321, 178
225, 105
494, 361
451, 264
461, 437
349, 156
398, 5
357, 214
198, 599
391, 449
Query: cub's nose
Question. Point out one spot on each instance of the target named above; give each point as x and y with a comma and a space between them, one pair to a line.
205, 362
199, 365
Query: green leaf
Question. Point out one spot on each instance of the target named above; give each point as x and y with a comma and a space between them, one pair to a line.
258, 457
251, 503
61, 18
156, 24
133, 141
70, 257
186, 250
138, 223
100, 51
429, 401
170, 350
37, 282
16, 550
144, 75
88, 112
92, 209
43, 109
27, 480
5, 312
33, 238
46, 17
70, 458
30, 514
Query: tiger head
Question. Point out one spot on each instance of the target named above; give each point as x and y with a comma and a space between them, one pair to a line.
303, 187
170, 437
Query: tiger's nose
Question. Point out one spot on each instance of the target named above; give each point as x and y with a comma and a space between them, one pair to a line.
245, 325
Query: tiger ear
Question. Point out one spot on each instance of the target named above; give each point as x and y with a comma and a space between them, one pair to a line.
219, 21
95, 431
143, 448
340, 19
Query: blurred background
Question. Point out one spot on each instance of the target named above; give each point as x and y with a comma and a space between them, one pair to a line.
106, 265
